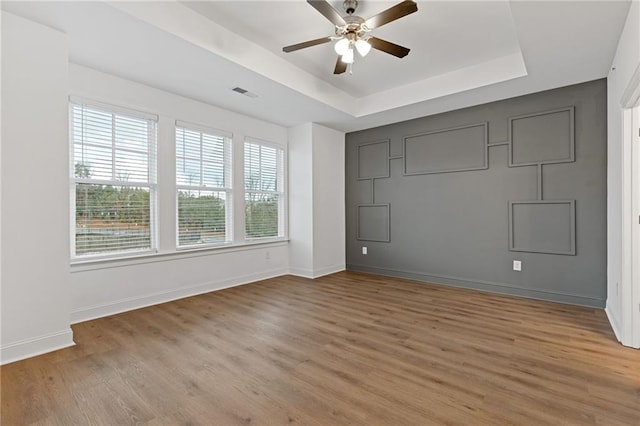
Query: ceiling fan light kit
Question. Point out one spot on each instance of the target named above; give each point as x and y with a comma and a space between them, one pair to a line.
342, 46
363, 47
348, 58
351, 31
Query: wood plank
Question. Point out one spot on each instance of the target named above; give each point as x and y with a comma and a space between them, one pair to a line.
349, 348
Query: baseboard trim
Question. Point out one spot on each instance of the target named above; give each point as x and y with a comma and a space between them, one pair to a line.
328, 270
36, 346
98, 311
614, 324
301, 272
316, 273
492, 287
623, 338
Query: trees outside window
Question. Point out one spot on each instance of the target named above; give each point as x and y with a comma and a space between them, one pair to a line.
113, 180
114, 190
264, 190
203, 181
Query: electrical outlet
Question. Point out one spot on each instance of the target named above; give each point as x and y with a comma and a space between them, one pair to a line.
517, 265
364, 250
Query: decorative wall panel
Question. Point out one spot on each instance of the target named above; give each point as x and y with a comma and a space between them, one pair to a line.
450, 150
538, 196
373, 160
542, 138
373, 222
542, 226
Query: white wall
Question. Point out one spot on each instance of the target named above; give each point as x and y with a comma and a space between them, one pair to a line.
35, 190
316, 200
619, 257
633, 303
301, 200
41, 292
108, 287
328, 201
0, 190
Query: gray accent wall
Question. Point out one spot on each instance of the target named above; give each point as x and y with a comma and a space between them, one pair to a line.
455, 198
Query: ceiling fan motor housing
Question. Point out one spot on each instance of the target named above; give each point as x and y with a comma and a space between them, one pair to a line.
355, 25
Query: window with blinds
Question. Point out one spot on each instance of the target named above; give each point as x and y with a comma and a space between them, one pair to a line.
264, 190
203, 182
113, 179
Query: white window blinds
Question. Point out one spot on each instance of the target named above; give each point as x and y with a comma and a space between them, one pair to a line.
203, 181
113, 175
264, 190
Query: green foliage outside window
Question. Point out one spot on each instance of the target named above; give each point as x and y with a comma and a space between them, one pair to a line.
261, 216
201, 218
120, 216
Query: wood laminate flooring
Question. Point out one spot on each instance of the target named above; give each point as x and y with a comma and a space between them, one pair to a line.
348, 348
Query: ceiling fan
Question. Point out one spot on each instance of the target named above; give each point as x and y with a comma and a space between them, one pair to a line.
352, 31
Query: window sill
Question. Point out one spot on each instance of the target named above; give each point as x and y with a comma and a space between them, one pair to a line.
80, 265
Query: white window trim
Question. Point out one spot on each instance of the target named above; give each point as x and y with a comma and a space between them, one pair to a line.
144, 258
229, 190
204, 129
164, 232
132, 112
283, 219
152, 183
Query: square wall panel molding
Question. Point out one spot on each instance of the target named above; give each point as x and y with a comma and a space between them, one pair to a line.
373, 160
546, 137
543, 226
472, 190
456, 149
534, 139
373, 223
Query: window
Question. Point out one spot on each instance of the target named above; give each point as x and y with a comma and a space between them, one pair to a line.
264, 190
113, 180
203, 181
114, 185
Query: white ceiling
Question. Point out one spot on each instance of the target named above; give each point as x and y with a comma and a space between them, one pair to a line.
442, 36
462, 53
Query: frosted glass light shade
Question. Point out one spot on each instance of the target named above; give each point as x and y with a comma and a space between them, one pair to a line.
363, 47
341, 46
347, 58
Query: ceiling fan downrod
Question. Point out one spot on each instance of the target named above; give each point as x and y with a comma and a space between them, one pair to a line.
350, 6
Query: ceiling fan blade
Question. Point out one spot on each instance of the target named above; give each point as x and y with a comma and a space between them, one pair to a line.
398, 11
340, 66
388, 47
328, 12
306, 44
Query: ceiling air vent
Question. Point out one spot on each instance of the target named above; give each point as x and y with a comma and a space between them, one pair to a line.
244, 92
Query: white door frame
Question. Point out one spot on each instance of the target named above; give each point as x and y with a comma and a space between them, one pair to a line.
631, 212
635, 229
